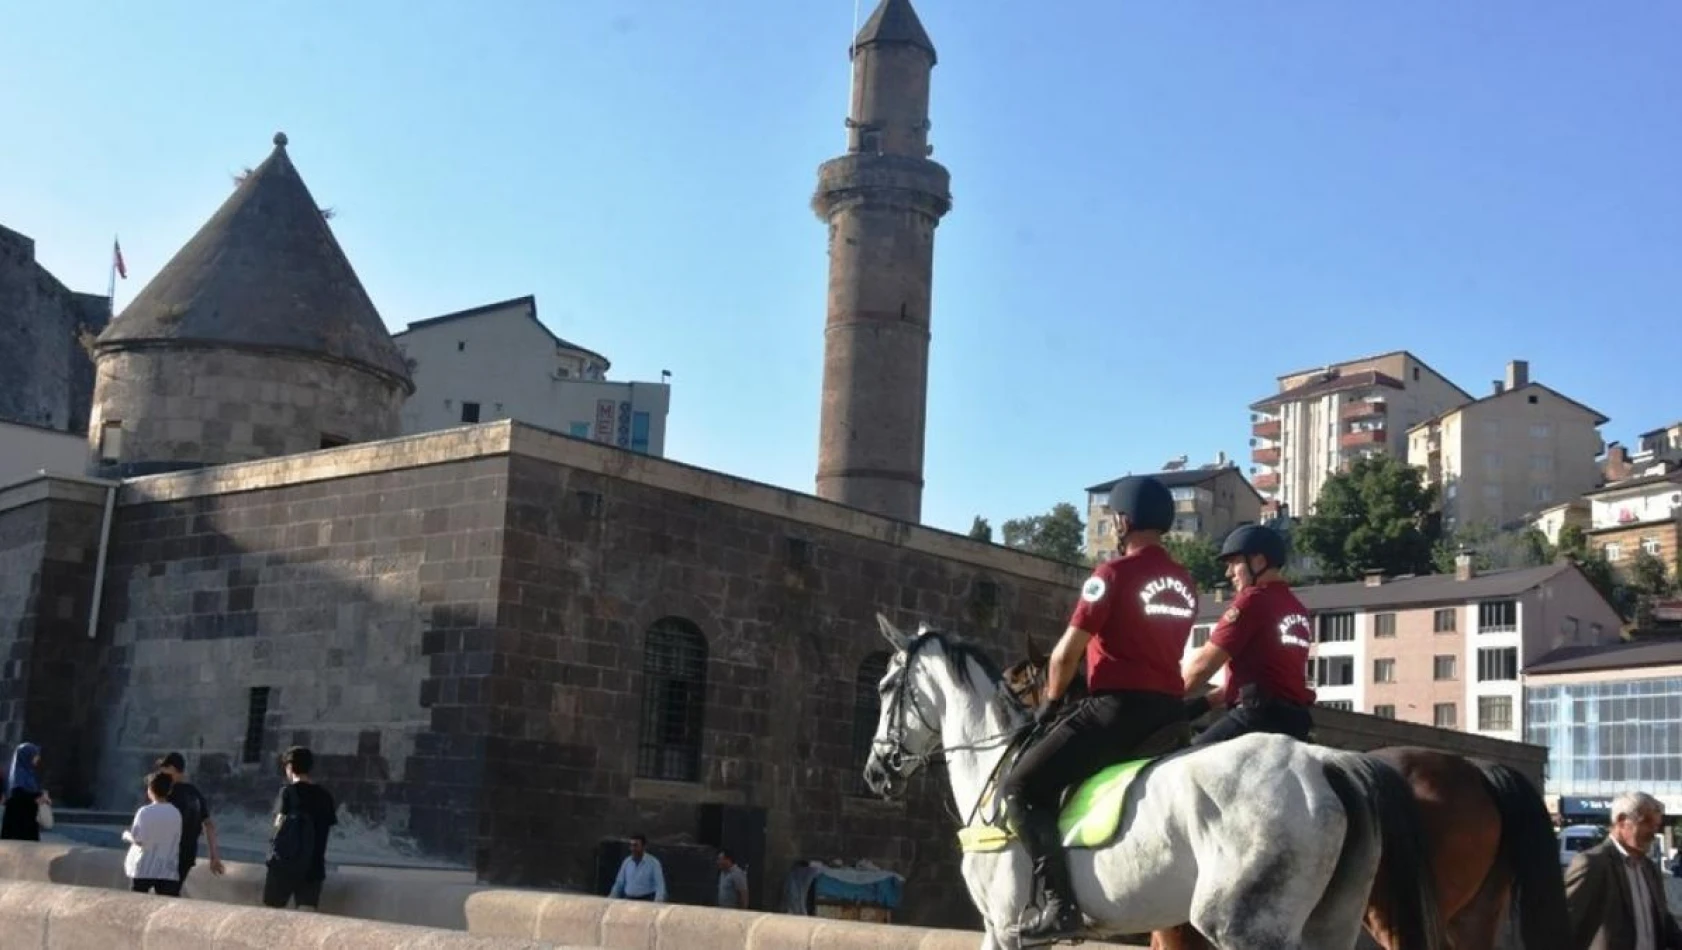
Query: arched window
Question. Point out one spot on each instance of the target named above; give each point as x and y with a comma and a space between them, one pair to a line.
867, 708
674, 695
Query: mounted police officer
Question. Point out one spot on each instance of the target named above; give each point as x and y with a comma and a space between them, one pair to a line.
1262, 639
1131, 624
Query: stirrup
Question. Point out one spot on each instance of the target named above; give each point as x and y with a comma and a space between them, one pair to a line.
1070, 924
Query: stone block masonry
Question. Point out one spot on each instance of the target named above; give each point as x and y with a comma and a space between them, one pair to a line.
49, 540
339, 615
583, 743
47, 372
186, 407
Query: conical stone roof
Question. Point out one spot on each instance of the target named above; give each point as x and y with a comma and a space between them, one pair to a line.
894, 21
264, 272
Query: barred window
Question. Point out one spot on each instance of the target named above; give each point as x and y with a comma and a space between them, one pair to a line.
674, 685
867, 709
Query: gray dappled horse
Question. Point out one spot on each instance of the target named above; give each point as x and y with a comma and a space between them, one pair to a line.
1260, 842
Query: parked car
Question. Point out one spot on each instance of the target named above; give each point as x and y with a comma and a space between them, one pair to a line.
1575, 838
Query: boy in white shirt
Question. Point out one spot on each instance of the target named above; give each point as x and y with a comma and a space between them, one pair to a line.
154, 853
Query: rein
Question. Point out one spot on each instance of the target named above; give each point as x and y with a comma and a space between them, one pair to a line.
897, 754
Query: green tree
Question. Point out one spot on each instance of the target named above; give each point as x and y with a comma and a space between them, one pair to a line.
1375, 516
1573, 541
1648, 576
1493, 549
1200, 557
980, 530
1058, 534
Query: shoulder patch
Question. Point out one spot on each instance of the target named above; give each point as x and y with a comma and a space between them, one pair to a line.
1231, 615
1093, 590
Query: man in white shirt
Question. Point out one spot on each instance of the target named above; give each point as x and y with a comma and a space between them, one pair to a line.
1613, 890
154, 854
640, 877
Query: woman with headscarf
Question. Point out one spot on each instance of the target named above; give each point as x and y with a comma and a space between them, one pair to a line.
20, 820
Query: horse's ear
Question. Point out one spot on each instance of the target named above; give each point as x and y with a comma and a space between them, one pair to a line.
1035, 657
891, 633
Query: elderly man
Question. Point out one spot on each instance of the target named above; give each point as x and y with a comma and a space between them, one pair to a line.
1613, 890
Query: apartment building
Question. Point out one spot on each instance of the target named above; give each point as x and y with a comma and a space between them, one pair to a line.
1444, 650
1642, 513
1663, 444
1610, 717
1556, 518
499, 361
1498, 459
1322, 419
1208, 503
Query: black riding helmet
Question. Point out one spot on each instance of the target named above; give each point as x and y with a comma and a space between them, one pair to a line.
1255, 540
1145, 501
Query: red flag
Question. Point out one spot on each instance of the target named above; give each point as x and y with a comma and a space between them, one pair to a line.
117, 258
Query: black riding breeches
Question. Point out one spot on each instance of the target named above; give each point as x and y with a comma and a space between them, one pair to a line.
1266, 716
1103, 730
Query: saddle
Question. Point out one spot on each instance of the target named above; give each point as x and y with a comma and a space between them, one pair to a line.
1090, 816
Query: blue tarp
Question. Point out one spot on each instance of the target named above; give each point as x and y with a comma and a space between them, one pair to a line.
881, 888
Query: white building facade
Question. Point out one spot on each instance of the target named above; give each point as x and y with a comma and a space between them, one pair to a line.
499, 362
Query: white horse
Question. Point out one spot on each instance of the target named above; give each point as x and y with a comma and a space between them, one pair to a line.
1259, 842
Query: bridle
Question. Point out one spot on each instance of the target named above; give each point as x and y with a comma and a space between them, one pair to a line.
897, 753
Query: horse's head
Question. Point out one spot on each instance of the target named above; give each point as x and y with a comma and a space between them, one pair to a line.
929, 675
912, 699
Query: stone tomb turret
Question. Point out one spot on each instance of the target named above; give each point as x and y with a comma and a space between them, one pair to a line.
256, 340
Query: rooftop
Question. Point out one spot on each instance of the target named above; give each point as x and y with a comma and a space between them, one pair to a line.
1599, 419
529, 302
894, 22
1672, 472
1412, 591
1180, 478
514, 439
1615, 656
264, 272
1325, 386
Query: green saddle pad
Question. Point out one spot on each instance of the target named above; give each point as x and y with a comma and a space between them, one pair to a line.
1089, 819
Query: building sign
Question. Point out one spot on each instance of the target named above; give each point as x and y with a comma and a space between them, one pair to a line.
624, 425
1571, 805
604, 420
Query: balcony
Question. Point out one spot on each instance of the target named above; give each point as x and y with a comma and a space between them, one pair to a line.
1266, 429
1265, 456
1360, 438
1363, 409
1267, 481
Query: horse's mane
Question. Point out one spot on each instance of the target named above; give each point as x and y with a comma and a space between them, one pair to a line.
958, 651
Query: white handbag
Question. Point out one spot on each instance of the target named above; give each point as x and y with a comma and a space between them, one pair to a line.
44, 816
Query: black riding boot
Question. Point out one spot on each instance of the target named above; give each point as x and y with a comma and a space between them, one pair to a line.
1058, 915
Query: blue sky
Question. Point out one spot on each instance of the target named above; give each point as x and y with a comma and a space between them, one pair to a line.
1158, 207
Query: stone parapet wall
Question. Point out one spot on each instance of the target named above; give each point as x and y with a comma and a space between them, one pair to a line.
61, 917
32, 879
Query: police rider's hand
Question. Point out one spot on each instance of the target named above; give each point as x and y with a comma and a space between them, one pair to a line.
1048, 711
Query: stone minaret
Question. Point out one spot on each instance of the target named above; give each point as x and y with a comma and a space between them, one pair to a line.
882, 200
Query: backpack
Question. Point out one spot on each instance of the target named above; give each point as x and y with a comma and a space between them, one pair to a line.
293, 846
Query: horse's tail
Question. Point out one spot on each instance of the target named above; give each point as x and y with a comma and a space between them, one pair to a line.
1531, 851
1379, 800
